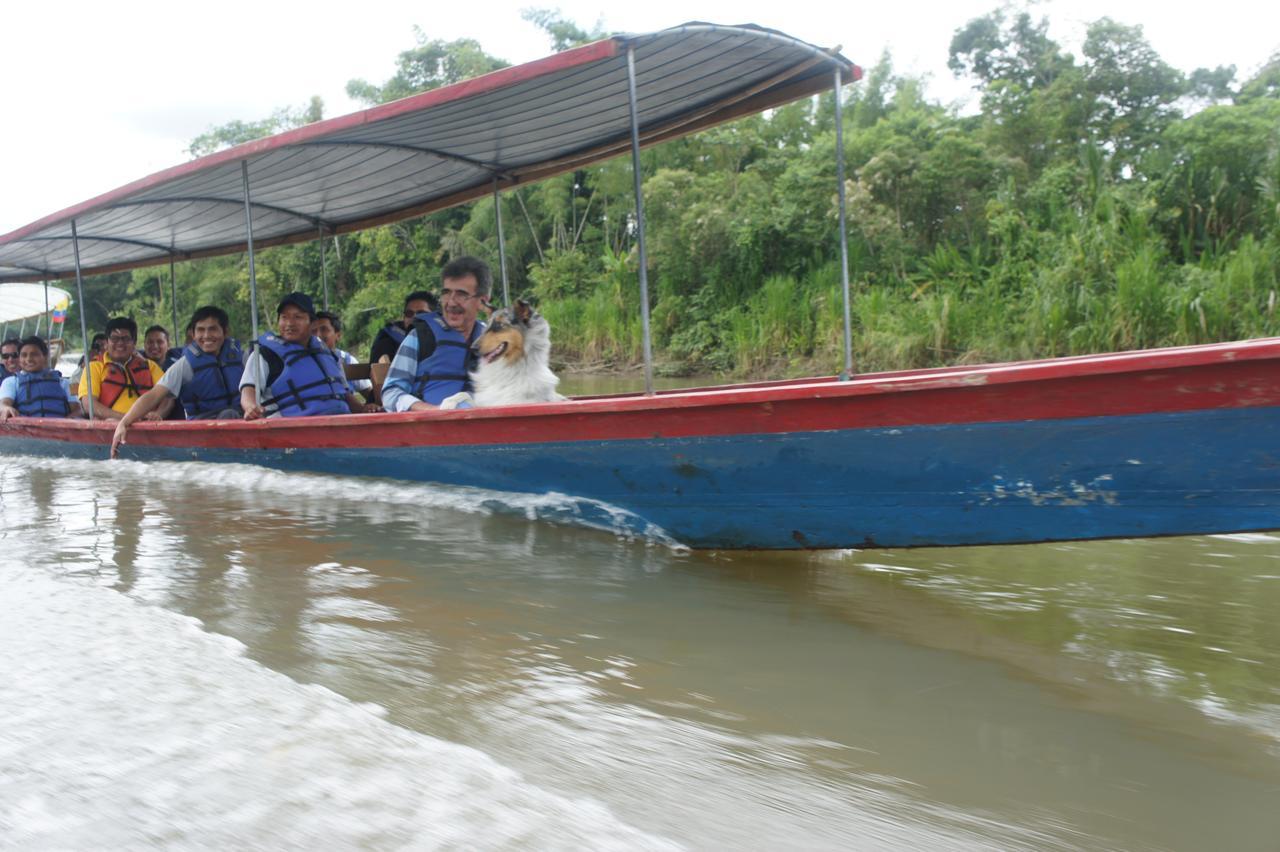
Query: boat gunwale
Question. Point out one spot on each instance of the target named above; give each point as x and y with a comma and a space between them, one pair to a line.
687, 412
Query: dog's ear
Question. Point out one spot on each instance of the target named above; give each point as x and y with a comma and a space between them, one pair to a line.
523, 311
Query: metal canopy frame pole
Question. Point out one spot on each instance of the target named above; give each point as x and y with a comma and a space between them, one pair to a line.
48, 322
248, 226
644, 260
173, 297
22, 329
84, 324
502, 245
324, 265
844, 234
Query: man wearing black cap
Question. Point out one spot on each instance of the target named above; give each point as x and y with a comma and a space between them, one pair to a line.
290, 373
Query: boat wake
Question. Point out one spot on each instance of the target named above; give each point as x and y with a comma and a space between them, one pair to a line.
164, 734
360, 492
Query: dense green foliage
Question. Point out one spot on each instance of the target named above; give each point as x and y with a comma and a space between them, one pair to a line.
1098, 202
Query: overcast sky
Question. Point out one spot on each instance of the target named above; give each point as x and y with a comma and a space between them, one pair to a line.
99, 94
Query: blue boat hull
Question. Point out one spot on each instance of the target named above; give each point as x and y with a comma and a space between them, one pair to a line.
955, 484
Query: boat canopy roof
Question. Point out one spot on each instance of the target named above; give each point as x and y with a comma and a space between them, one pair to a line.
430, 151
27, 301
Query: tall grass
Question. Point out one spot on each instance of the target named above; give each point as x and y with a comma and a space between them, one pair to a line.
1102, 280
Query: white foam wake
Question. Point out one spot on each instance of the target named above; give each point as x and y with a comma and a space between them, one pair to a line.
124, 725
551, 507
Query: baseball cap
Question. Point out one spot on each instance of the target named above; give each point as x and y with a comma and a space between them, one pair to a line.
301, 301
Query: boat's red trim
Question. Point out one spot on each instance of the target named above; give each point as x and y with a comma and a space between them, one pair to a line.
1184, 379
1054, 367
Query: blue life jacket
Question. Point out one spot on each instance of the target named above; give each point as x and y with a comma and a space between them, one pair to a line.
41, 395
388, 339
215, 379
444, 357
303, 381
172, 357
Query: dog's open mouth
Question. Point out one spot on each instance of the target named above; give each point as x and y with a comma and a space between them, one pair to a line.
495, 353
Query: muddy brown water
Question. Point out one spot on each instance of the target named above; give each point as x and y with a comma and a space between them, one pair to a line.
198, 655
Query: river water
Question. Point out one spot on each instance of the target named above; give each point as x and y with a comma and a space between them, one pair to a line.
196, 656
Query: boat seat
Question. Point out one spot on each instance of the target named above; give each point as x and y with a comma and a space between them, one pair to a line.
376, 373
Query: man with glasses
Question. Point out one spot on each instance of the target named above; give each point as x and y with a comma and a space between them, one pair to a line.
391, 335
433, 361
9, 358
113, 384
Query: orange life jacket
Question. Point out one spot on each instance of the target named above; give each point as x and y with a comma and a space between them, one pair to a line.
135, 375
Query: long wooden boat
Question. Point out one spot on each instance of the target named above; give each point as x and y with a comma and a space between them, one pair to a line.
1134, 444
1159, 442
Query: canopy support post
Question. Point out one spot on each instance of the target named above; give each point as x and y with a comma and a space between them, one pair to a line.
48, 322
844, 235
87, 372
22, 329
173, 297
248, 226
644, 261
324, 266
502, 244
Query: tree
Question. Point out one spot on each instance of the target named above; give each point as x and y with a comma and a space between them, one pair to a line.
1264, 84
564, 33
1222, 179
1019, 52
1032, 91
1132, 91
236, 132
431, 64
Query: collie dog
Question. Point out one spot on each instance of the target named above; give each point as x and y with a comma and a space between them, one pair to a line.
512, 360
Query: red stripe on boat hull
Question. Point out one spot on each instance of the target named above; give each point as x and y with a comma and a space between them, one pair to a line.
1186, 379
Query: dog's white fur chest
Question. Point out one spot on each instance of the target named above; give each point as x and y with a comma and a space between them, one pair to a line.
506, 381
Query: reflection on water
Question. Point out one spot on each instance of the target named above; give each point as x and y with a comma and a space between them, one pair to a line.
211, 654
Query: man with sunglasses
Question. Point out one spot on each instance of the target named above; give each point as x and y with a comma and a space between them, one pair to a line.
9, 358
113, 384
391, 335
433, 361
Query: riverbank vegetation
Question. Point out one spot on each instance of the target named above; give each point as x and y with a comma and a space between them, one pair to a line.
1086, 202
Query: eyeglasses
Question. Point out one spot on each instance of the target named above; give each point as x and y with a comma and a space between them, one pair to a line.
461, 295
119, 338
7, 355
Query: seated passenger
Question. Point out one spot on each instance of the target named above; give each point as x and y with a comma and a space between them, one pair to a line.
391, 335
113, 384
9, 358
155, 345
328, 327
35, 391
206, 380
96, 349
291, 373
432, 363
